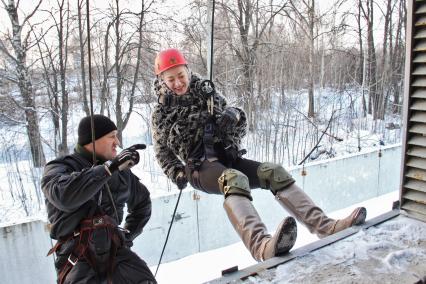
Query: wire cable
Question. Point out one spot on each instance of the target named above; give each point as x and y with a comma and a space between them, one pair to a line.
168, 233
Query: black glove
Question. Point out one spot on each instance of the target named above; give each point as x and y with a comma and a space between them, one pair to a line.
125, 160
229, 118
181, 180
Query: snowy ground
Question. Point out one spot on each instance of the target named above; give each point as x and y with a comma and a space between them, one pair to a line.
392, 252
21, 198
206, 266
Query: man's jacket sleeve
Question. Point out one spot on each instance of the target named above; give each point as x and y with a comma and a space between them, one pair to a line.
66, 189
138, 207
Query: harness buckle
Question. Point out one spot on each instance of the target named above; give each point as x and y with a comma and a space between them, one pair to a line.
98, 221
72, 261
206, 87
123, 230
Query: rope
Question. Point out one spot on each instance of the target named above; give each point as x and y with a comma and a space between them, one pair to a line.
89, 55
168, 233
211, 57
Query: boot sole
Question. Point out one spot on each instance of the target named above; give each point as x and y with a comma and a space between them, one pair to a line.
360, 216
286, 237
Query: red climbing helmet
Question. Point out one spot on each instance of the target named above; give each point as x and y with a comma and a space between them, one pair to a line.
167, 59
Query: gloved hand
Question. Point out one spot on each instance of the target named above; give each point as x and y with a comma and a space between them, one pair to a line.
125, 160
229, 118
231, 154
181, 180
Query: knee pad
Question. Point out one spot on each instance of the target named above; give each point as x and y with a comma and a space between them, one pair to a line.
273, 177
234, 182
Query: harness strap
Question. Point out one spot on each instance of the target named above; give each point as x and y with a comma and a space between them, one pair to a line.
80, 250
208, 140
168, 100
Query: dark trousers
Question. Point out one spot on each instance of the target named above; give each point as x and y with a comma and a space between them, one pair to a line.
209, 173
129, 269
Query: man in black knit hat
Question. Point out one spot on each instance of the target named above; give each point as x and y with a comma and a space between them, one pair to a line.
85, 197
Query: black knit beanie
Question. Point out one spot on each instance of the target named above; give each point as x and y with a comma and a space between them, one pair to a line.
102, 125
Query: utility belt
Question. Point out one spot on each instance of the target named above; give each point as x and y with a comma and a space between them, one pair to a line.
96, 241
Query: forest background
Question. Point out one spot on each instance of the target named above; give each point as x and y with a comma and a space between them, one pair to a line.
317, 79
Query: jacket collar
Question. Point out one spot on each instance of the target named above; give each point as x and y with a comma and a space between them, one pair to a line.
88, 155
168, 98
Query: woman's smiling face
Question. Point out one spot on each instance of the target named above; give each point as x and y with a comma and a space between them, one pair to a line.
177, 79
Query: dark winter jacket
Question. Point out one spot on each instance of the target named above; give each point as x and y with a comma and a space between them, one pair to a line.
72, 187
179, 128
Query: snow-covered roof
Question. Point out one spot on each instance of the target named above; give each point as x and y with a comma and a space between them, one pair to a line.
390, 248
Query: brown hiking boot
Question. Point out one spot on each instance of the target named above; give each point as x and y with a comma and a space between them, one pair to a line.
357, 217
253, 232
301, 206
283, 239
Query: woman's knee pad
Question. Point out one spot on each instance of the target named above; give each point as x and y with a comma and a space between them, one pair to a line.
273, 177
234, 182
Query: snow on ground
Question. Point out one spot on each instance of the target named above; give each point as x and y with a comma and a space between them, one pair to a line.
21, 198
392, 252
206, 266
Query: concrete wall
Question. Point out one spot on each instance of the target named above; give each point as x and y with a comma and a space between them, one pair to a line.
23, 250
201, 223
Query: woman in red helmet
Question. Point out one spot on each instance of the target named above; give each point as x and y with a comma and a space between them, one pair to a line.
200, 142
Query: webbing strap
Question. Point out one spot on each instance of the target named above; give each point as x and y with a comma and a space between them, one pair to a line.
208, 140
75, 255
168, 100
80, 249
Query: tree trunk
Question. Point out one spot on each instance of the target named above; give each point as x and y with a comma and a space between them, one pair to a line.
311, 13
371, 61
25, 87
105, 71
384, 70
62, 40
118, 74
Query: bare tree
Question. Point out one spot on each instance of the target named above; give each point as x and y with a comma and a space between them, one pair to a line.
63, 32
308, 26
397, 55
251, 20
54, 59
127, 39
20, 47
367, 9
306, 17
51, 84
360, 76
82, 56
